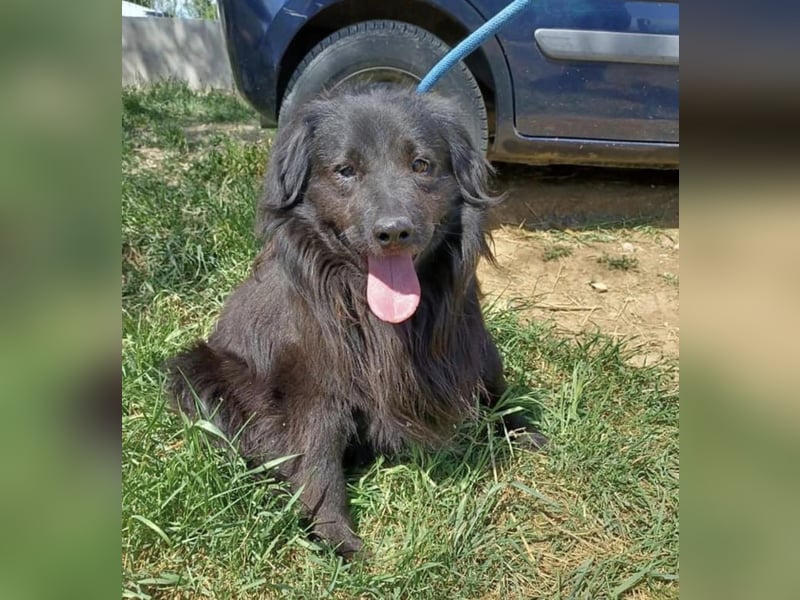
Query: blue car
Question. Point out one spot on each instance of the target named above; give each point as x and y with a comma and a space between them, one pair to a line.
591, 82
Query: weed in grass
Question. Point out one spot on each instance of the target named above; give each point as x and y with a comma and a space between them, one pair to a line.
555, 251
604, 236
619, 263
670, 278
593, 516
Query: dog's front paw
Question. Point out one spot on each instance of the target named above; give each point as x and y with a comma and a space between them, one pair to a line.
529, 438
353, 550
347, 544
523, 433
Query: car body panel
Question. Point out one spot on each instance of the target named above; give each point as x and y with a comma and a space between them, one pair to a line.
607, 110
620, 101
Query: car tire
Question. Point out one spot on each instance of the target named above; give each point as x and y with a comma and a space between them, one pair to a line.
385, 51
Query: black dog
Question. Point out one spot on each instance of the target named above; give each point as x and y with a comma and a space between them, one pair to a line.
360, 328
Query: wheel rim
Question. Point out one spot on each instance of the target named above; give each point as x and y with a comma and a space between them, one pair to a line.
381, 75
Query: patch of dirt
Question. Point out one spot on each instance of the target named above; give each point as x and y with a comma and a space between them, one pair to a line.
558, 234
149, 159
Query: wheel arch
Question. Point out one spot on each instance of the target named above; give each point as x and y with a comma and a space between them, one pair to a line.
421, 14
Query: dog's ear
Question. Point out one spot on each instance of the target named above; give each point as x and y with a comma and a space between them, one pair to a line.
289, 168
472, 172
471, 169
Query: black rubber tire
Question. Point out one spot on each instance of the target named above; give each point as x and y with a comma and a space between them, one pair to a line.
386, 51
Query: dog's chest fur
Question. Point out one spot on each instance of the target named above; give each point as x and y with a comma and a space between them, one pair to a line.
412, 381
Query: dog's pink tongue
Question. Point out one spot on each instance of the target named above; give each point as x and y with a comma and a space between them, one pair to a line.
392, 287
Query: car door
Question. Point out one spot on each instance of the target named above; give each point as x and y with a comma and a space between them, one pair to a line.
595, 69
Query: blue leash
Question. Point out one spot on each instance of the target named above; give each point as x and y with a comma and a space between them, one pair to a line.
471, 43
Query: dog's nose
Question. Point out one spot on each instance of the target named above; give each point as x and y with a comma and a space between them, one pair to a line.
393, 231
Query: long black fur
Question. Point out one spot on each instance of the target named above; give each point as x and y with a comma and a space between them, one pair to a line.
297, 363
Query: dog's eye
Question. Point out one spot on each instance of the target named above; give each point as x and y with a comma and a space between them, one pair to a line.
346, 171
420, 166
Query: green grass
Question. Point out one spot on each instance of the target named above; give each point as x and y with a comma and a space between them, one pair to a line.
595, 516
619, 263
555, 251
670, 278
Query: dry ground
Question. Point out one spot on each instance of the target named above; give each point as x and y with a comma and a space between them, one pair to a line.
562, 229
